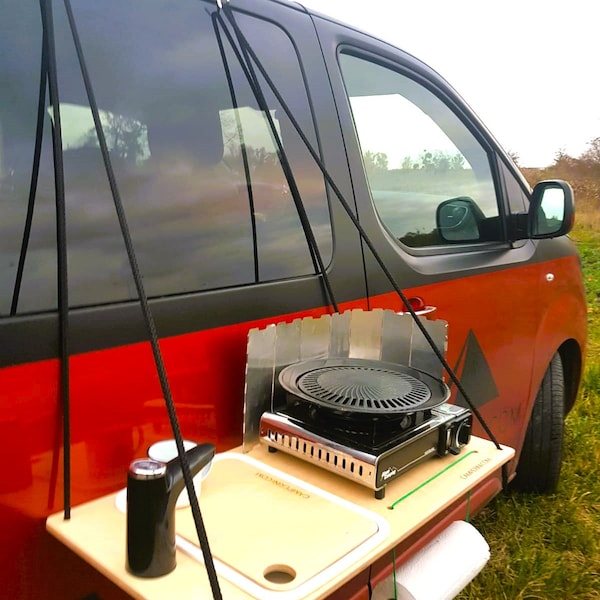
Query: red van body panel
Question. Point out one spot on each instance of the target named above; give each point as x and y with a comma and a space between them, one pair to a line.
117, 409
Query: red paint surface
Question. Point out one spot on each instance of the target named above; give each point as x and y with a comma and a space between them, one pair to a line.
118, 411
520, 320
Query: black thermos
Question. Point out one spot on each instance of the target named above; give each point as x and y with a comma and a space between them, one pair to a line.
152, 491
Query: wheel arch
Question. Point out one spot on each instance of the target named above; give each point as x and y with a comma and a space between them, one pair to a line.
572, 359
563, 330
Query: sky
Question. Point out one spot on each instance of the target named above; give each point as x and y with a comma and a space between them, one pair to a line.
530, 69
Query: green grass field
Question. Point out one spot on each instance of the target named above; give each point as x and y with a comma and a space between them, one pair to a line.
548, 547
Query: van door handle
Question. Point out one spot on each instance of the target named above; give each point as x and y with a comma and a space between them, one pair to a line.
420, 307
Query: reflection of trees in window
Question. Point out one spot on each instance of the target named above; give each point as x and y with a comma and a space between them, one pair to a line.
419, 239
375, 161
125, 137
247, 130
257, 157
231, 135
438, 160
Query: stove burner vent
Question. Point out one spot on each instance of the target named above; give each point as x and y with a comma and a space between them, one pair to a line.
321, 452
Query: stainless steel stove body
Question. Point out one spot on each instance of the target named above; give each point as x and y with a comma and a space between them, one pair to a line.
446, 429
360, 394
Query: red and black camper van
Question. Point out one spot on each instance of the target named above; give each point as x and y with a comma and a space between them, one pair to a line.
187, 172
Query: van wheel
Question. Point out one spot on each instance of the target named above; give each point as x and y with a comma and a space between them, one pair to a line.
539, 465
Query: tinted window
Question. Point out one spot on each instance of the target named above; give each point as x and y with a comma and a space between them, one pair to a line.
194, 157
417, 155
20, 58
517, 199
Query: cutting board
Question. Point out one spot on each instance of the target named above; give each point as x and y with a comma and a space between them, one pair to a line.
273, 529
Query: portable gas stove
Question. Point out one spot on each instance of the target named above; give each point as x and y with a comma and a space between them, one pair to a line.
366, 420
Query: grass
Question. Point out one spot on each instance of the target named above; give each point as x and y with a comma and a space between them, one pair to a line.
548, 547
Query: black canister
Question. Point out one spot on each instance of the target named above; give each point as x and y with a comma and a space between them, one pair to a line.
152, 490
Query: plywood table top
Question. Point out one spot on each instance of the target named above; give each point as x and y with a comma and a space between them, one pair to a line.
260, 506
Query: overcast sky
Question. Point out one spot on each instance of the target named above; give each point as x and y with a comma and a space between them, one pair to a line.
529, 68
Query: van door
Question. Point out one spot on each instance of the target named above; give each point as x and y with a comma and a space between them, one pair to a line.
430, 197
216, 232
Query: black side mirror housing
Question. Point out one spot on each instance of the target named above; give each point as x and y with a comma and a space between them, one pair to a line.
458, 220
551, 211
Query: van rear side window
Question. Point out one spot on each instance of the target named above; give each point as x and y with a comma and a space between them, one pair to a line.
194, 158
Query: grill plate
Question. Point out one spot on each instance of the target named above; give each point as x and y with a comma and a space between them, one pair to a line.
355, 385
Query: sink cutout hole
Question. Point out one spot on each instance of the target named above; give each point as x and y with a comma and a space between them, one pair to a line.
279, 574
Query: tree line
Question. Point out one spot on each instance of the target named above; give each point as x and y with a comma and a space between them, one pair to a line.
586, 165
582, 172
428, 160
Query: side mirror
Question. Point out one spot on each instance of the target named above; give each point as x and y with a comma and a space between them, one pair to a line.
551, 211
458, 219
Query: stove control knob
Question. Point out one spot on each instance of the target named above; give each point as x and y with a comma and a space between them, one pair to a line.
459, 435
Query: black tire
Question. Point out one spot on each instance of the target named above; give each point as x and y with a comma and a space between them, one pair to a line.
539, 465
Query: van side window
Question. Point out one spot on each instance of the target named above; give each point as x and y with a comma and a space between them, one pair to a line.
21, 34
430, 179
518, 201
206, 199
